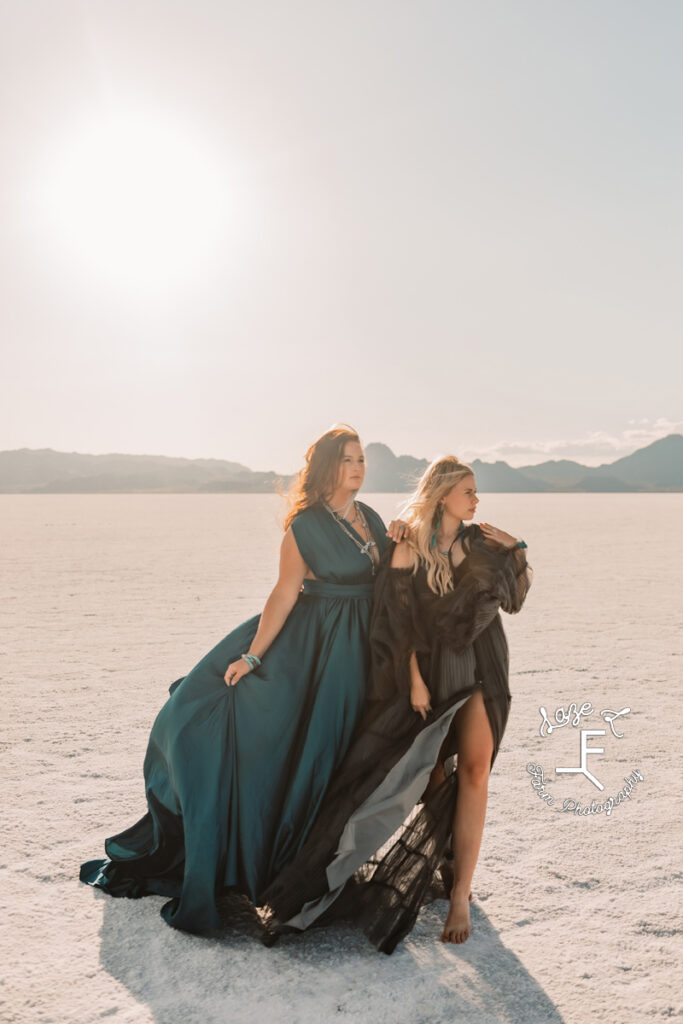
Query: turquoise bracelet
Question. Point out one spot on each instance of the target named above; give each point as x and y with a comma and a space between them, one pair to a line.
520, 544
252, 660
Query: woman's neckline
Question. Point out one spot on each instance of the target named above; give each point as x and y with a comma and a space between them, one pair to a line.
453, 568
460, 537
347, 524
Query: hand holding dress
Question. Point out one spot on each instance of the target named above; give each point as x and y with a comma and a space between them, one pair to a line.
235, 775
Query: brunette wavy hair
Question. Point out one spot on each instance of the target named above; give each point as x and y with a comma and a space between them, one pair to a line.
422, 512
318, 478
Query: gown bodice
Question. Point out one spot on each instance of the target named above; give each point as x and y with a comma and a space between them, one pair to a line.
327, 550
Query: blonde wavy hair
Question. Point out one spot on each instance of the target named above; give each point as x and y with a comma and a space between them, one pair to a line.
422, 512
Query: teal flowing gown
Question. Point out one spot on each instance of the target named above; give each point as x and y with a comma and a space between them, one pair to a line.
235, 775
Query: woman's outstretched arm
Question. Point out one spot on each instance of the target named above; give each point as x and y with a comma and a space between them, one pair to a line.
282, 599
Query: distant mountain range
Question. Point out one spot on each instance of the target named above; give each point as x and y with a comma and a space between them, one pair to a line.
657, 467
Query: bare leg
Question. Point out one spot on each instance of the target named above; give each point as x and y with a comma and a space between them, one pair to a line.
437, 776
447, 877
475, 749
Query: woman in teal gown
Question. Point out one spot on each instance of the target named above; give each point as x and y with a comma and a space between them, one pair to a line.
239, 758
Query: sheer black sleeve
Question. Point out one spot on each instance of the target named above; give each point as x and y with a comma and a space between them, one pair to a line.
490, 579
505, 572
396, 630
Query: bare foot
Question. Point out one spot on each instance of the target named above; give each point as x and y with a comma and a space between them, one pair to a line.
457, 927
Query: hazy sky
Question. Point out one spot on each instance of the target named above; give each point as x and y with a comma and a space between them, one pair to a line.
455, 225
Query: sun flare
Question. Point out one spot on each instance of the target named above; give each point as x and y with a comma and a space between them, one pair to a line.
137, 199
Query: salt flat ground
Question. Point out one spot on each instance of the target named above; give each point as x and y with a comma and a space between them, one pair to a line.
106, 599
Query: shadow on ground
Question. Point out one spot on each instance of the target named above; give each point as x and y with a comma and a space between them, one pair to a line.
327, 974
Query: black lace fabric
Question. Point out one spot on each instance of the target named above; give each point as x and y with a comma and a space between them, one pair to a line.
396, 630
385, 895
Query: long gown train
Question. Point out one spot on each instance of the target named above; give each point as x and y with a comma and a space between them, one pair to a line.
235, 775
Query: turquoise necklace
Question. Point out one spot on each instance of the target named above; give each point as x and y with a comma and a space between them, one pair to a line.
343, 508
460, 530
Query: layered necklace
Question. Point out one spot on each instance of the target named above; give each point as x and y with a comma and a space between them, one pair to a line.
338, 516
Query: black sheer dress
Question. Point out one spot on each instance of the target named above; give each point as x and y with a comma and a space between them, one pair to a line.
375, 852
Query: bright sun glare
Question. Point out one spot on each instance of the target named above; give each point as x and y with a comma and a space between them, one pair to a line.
136, 199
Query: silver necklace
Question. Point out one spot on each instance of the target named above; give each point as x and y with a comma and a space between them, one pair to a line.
342, 508
365, 549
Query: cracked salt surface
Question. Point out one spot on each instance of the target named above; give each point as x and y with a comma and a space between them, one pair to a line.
573, 919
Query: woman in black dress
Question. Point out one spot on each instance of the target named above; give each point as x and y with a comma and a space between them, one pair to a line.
439, 687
